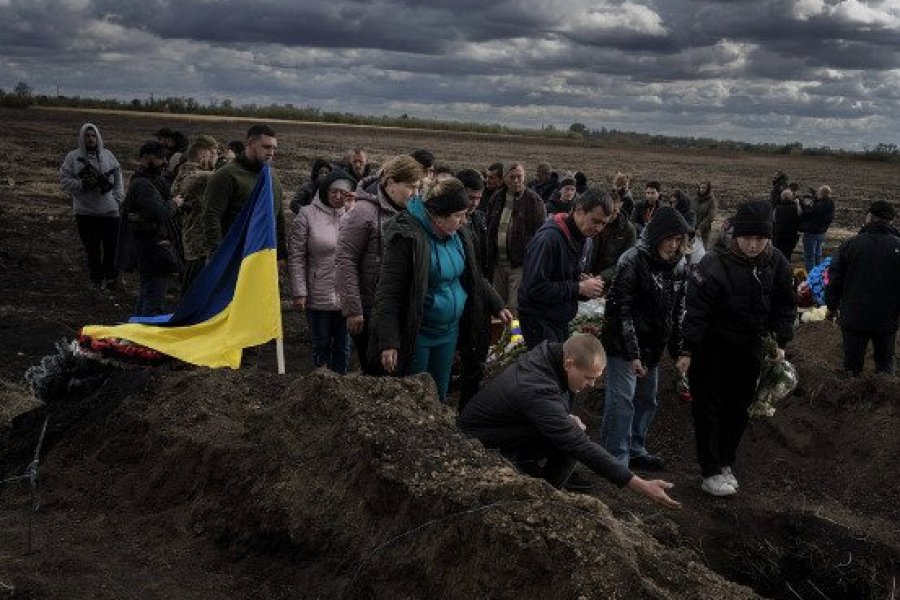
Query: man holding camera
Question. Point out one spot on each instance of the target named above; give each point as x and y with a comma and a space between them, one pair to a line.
91, 174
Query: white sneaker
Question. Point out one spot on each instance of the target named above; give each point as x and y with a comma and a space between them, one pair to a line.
728, 474
717, 485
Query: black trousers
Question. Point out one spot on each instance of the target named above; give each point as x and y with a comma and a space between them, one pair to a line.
723, 384
855, 343
99, 236
528, 454
536, 330
361, 343
472, 359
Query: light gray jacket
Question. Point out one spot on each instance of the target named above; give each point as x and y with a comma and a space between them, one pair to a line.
92, 202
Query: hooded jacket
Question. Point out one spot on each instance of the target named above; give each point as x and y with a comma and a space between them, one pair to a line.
864, 280
550, 275
92, 202
415, 293
645, 306
312, 246
530, 399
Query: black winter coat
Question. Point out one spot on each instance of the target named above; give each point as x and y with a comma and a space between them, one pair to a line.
531, 399
550, 275
817, 217
736, 301
403, 284
644, 307
787, 220
864, 280
149, 236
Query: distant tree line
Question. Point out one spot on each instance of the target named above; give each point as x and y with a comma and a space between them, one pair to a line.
22, 96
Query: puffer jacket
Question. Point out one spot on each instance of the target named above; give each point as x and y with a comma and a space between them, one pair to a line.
92, 202
645, 307
734, 300
312, 246
359, 249
402, 298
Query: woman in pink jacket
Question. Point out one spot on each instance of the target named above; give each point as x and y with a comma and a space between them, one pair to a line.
311, 252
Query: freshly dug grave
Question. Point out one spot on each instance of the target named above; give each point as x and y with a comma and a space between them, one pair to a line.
196, 484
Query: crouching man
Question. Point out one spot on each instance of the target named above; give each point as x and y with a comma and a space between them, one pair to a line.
526, 413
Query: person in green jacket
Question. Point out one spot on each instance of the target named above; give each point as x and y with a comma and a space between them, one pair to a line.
229, 188
429, 278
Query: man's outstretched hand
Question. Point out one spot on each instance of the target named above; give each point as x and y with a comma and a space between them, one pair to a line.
655, 490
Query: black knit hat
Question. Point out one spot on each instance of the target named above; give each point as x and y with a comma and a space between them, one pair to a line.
666, 222
753, 218
446, 198
336, 175
882, 210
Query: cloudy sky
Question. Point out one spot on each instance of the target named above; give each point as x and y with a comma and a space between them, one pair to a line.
823, 72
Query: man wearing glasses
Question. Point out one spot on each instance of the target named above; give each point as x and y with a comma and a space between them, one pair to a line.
552, 282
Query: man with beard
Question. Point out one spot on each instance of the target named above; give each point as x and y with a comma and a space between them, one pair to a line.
91, 174
644, 310
229, 188
149, 239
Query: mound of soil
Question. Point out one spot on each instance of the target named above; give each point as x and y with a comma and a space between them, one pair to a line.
240, 485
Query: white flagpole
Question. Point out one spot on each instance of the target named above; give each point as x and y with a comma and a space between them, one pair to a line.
279, 353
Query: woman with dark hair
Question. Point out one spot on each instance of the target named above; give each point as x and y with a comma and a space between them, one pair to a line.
430, 287
321, 168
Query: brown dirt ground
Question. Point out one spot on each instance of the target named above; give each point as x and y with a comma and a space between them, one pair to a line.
174, 482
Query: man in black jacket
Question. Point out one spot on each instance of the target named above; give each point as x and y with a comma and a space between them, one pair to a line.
551, 275
526, 413
644, 310
864, 284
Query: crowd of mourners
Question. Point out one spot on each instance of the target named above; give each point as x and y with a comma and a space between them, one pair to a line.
412, 264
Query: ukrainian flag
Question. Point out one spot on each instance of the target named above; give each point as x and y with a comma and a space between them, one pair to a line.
233, 302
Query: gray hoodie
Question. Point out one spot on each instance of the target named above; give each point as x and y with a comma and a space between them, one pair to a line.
92, 202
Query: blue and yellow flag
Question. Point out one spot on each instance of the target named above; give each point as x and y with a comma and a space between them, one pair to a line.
233, 302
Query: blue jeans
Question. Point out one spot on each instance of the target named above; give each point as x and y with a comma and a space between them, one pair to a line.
330, 341
435, 357
812, 249
630, 407
151, 295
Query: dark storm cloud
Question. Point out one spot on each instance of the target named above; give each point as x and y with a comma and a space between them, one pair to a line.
714, 68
